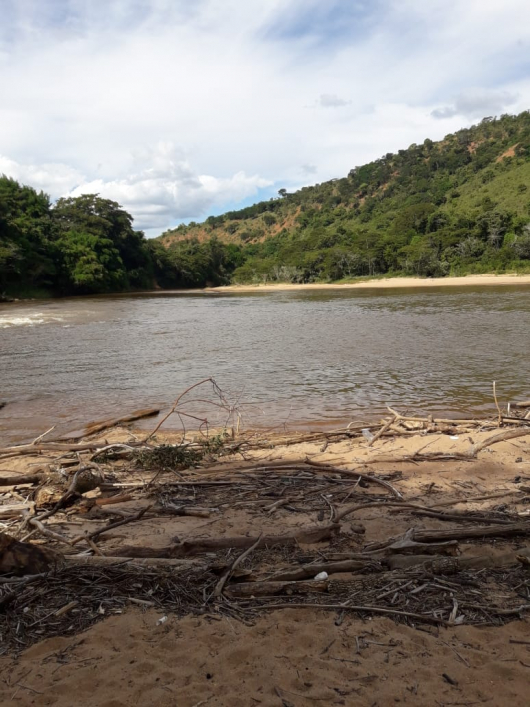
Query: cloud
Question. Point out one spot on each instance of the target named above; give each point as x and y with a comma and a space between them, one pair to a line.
176, 108
330, 100
164, 188
53, 178
477, 103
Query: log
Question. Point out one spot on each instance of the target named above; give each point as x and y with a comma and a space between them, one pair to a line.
174, 510
444, 565
309, 571
409, 546
88, 503
523, 404
100, 561
24, 558
259, 589
34, 449
98, 426
461, 517
189, 548
499, 531
17, 479
15, 509
495, 439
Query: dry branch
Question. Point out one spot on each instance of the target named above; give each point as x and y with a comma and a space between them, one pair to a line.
189, 548
309, 571
95, 427
257, 589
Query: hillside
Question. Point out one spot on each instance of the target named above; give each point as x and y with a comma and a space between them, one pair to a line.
455, 206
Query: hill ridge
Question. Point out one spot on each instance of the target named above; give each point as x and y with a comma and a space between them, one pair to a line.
453, 206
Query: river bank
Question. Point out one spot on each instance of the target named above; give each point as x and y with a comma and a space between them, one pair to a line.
385, 283
151, 646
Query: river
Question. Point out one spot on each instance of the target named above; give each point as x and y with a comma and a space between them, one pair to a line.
295, 358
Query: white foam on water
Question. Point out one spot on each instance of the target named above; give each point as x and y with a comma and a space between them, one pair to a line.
7, 322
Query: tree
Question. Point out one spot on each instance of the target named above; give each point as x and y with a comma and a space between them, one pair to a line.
101, 250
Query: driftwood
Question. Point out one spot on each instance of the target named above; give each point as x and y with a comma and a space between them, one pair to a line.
422, 618
469, 455
174, 510
495, 439
356, 475
87, 478
17, 479
24, 558
15, 510
500, 531
309, 571
233, 567
259, 589
406, 546
523, 404
87, 503
100, 561
95, 427
189, 548
444, 565
461, 517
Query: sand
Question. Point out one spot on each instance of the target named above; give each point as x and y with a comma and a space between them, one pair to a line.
295, 657
388, 283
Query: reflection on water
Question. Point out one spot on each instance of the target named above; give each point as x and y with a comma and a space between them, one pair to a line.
294, 356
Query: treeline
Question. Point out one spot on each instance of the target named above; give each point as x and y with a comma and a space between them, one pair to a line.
87, 245
456, 206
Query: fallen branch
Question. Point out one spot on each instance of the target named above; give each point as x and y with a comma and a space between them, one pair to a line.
257, 589
309, 571
16, 509
367, 609
226, 576
357, 475
443, 565
17, 479
95, 427
501, 531
111, 526
106, 561
197, 547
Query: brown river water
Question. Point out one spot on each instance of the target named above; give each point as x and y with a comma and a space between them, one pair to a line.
295, 358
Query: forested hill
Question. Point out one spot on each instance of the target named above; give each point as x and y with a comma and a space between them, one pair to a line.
456, 206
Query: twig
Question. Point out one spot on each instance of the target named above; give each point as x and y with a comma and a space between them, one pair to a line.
221, 583
497, 403
368, 609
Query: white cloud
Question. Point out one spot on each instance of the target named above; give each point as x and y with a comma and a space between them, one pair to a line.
222, 89
163, 188
477, 103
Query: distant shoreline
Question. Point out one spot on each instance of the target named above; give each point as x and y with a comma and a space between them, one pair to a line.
384, 283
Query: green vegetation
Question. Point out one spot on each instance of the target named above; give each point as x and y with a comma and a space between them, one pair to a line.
87, 245
458, 206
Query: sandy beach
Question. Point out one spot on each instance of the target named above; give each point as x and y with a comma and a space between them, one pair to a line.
387, 283
137, 652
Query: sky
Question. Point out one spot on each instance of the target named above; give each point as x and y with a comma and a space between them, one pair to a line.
178, 109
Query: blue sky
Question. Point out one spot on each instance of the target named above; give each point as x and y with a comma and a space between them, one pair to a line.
180, 109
